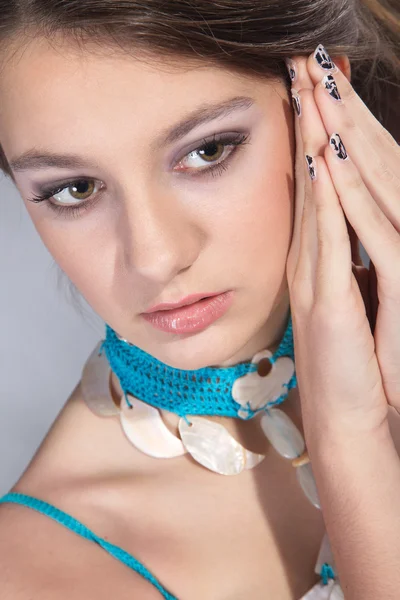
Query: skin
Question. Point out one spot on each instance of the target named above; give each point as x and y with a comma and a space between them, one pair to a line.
153, 237
157, 236
347, 343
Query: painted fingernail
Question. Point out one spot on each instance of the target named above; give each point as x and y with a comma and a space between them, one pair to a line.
312, 167
337, 146
330, 85
323, 59
296, 102
291, 67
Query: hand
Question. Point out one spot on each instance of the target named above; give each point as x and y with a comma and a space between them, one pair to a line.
348, 369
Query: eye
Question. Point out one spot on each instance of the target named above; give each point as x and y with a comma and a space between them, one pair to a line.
75, 192
71, 198
213, 152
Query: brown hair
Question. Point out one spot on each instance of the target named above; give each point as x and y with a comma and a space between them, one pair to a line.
248, 36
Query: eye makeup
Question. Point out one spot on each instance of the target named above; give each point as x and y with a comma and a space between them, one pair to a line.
225, 140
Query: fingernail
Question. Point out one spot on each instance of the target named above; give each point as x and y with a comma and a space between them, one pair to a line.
296, 102
337, 146
312, 167
323, 59
291, 67
330, 85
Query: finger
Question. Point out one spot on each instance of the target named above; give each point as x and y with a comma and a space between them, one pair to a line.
353, 107
299, 76
375, 231
301, 264
304, 242
334, 267
314, 140
298, 71
305, 274
377, 160
313, 132
302, 81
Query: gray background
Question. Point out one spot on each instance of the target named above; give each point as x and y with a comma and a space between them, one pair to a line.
45, 337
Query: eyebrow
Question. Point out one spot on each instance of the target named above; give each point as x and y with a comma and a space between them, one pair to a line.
35, 159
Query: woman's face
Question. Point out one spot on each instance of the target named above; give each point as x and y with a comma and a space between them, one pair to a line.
156, 226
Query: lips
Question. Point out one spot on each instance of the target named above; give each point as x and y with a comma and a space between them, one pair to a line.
193, 317
184, 302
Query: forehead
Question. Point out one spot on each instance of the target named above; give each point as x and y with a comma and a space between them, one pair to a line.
60, 87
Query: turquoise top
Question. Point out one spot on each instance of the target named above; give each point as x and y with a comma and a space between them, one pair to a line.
119, 553
74, 525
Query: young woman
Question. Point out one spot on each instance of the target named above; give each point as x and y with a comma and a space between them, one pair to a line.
202, 172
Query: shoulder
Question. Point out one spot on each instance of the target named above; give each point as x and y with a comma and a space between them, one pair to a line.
15, 566
41, 560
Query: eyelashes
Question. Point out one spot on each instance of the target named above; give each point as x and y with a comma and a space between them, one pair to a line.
234, 141
69, 210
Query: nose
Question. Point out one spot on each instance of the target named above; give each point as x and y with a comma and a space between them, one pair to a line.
160, 238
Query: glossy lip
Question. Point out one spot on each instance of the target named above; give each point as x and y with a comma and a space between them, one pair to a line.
193, 317
184, 302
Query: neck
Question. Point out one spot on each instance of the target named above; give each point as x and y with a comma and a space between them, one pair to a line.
248, 433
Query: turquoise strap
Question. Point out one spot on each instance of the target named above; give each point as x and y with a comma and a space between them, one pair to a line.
81, 529
327, 572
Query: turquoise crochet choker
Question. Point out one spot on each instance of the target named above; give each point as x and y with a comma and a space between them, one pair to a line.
205, 391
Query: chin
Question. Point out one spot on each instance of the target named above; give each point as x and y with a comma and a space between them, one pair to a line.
213, 346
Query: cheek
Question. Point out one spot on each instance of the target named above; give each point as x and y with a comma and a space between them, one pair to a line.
257, 229
83, 253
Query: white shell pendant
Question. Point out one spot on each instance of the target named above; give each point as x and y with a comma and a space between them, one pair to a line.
282, 433
306, 479
258, 391
146, 430
212, 446
95, 385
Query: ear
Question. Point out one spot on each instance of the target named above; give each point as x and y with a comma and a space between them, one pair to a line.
343, 63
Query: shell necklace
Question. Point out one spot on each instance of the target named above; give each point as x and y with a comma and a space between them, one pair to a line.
239, 391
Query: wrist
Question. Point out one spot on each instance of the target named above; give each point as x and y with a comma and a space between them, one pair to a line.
334, 438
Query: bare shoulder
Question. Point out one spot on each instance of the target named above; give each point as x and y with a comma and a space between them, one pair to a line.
17, 577
40, 559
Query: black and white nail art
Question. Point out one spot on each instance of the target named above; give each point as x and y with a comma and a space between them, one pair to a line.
330, 85
296, 102
291, 69
312, 167
337, 146
323, 58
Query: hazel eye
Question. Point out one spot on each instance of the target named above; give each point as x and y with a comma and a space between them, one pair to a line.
214, 148
212, 152
79, 190
73, 197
